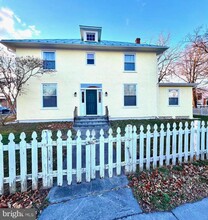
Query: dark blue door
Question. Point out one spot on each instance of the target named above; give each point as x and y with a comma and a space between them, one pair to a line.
91, 102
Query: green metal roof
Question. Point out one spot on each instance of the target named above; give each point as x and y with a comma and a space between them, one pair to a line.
79, 44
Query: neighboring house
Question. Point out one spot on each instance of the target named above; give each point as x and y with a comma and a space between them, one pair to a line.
3, 101
96, 75
202, 97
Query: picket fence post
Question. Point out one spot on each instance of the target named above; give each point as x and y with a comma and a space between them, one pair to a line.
161, 144
203, 130
186, 142
134, 148
69, 157
128, 148
12, 163
50, 157
180, 140
118, 151
174, 147
34, 161
93, 154
23, 162
44, 159
192, 141
110, 153
198, 135
141, 148
59, 159
102, 154
168, 135
79, 157
148, 138
155, 134
88, 156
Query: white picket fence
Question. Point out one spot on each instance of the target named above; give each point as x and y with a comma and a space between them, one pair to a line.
94, 157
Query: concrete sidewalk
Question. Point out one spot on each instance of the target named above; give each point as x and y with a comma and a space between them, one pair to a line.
110, 198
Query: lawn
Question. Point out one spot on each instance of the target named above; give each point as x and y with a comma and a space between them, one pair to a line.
28, 128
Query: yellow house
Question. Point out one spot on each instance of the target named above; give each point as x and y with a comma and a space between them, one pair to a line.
94, 77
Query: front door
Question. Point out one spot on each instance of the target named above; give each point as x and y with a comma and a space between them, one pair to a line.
91, 102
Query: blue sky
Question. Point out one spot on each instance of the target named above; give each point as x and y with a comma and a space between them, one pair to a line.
121, 20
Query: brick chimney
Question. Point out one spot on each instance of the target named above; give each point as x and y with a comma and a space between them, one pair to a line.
138, 40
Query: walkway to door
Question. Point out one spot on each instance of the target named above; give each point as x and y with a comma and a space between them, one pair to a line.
108, 199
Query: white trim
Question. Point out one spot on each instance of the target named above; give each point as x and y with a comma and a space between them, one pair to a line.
129, 71
88, 52
83, 107
90, 32
49, 108
137, 101
50, 50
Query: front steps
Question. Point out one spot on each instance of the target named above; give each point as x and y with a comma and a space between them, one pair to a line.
91, 122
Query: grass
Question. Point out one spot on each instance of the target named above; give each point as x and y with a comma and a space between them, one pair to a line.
201, 117
28, 128
123, 123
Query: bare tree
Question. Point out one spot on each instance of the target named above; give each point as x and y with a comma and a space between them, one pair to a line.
167, 60
199, 39
15, 73
192, 67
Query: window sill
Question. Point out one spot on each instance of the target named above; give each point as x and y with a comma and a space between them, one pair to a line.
129, 71
50, 70
130, 107
49, 108
173, 105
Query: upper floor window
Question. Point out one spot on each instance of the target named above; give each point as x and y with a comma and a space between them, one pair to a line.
49, 95
173, 97
90, 58
129, 62
49, 60
90, 36
130, 95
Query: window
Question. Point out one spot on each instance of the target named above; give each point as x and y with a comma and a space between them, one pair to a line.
49, 95
130, 98
129, 62
90, 36
90, 58
173, 97
49, 60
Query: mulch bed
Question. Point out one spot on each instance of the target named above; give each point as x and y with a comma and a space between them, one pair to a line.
164, 188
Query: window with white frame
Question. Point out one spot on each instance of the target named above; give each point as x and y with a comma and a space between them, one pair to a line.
130, 94
90, 58
173, 97
129, 62
90, 36
49, 95
49, 60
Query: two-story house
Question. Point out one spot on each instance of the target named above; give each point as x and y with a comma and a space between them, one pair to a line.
93, 75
